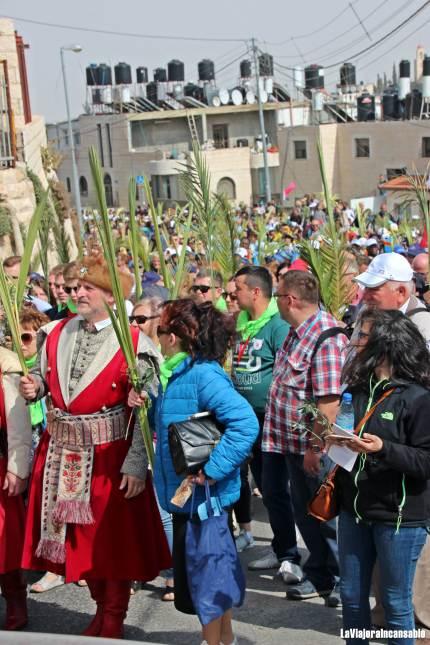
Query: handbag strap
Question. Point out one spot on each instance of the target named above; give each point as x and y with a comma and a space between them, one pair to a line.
360, 425
208, 500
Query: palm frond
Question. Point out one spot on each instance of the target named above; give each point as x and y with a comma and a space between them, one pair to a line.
225, 237
30, 241
9, 300
179, 275
134, 236
156, 216
420, 188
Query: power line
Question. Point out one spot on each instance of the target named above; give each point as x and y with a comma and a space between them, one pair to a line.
377, 42
109, 32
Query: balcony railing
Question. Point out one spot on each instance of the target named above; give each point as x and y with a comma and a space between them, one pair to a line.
7, 135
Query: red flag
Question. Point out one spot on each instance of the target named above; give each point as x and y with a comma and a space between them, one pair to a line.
289, 189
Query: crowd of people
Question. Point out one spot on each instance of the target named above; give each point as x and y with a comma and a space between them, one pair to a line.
260, 352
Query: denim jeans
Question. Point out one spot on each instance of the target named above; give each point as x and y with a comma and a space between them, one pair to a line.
322, 566
277, 500
360, 544
166, 520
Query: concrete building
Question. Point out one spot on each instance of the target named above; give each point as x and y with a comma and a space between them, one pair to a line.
154, 144
22, 135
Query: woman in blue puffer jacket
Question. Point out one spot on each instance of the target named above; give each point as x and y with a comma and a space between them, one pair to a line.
194, 340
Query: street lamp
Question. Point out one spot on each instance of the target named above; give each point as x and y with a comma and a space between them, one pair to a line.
76, 49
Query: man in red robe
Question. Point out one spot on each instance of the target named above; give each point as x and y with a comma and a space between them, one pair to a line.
92, 513
15, 447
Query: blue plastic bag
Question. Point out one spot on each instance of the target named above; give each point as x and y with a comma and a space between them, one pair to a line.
215, 576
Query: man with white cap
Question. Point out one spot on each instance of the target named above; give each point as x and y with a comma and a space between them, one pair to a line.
388, 284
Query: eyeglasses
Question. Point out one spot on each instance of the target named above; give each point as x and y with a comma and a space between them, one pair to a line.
70, 289
200, 287
27, 337
141, 320
232, 296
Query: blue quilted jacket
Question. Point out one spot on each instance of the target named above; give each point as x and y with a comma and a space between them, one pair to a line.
198, 387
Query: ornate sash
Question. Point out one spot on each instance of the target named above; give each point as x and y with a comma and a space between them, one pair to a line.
68, 471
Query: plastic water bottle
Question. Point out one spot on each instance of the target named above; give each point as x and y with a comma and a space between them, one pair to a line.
345, 416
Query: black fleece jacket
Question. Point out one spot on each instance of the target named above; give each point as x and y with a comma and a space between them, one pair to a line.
403, 422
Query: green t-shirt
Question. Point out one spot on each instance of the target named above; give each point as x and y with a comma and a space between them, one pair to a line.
252, 374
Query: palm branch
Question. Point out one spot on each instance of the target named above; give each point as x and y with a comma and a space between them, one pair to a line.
180, 269
119, 317
420, 189
225, 237
134, 236
156, 218
328, 262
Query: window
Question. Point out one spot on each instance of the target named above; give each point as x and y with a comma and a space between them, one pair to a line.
395, 172
65, 134
109, 143
300, 151
100, 142
362, 148
83, 186
426, 146
227, 187
69, 185
220, 135
108, 189
77, 138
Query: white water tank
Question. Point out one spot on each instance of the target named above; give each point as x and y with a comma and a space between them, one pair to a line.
299, 78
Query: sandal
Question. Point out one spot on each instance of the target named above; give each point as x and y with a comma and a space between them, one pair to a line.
82, 583
47, 582
168, 594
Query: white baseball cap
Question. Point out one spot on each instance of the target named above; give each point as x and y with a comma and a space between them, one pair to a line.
386, 267
372, 242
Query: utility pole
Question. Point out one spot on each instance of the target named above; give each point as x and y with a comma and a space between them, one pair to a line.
76, 192
267, 188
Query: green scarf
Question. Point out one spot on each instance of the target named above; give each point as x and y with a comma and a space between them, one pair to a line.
221, 304
71, 306
36, 409
249, 328
167, 367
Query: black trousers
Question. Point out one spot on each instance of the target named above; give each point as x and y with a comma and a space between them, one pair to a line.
242, 508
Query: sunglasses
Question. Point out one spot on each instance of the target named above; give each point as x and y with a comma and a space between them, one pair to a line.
69, 290
141, 320
27, 337
232, 296
200, 287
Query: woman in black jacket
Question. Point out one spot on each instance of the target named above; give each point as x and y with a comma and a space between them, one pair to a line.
385, 500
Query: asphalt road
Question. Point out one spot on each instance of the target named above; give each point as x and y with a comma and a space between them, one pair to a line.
266, 618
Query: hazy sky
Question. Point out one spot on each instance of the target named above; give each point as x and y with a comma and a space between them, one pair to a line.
283, 27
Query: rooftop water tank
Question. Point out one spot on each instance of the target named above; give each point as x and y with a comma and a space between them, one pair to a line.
92, 74
413, 104
245, 69
195, 91
104, 74
160, 75
390, 105
176, 71
314, 77
265, 64
426, 77
404, 78
347, 75
206, 70
299, 78
142, 74
365, 107
122, 74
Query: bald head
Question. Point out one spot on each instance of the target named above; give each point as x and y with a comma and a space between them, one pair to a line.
420, 263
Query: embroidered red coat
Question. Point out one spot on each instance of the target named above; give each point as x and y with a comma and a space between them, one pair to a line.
126, 541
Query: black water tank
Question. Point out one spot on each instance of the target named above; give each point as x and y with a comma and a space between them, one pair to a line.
314, 77
404, 69
347, 74
413, 103
195, 91
176, 71
152, 92
160, 75
142, 74
122, 74
265, 64
104, 74
426, 66
245, 69
206, 70
390, 106
365, 107
92, 73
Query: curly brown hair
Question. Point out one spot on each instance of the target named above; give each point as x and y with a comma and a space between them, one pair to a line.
205, 332
33, 318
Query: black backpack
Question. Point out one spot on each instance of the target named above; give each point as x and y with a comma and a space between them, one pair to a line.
330, 333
